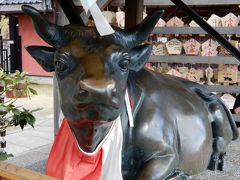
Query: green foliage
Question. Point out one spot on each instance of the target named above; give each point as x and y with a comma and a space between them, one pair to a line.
10, 115
4, 156
15, 80
33, 91
23, 117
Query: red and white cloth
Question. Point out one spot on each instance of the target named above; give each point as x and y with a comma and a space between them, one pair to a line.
67, 161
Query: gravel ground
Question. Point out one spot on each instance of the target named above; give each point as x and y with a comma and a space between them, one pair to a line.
231, 171
231, 168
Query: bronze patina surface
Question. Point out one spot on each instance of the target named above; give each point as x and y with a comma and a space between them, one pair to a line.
180, 128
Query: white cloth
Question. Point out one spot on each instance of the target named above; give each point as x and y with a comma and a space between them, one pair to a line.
129, 109
101, 23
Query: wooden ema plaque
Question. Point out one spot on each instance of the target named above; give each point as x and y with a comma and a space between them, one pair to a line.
192, 47
183, 70
215, 73
228, 73
215, 21
209, 51
161, 23
209, 48
160, 69
159, 49
209, 74
210, 42
175, 22
189, 76
226, 52
149, 66
186, 75
193, 24
229, 100
196, 74
120, 17
174, 47
230, 20
110, 16
166, 69
174, 72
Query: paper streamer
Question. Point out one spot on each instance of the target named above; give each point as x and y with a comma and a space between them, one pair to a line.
101, 23
129, 109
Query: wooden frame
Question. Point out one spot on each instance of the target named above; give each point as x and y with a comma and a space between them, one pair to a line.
188, 2
12, 172
134, 13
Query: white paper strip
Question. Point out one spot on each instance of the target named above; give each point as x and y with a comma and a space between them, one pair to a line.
129, 109
87, 4
101, 23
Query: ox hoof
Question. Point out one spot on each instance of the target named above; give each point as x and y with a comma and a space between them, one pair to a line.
217, 161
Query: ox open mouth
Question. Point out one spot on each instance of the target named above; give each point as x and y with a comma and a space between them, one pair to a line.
83, 107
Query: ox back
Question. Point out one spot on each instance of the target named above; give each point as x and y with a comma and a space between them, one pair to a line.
185, 117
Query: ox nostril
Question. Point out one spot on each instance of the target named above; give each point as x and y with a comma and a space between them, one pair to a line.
83, 92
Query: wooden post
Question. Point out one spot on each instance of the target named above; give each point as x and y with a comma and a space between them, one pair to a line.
16, 61
134, 12
71, 11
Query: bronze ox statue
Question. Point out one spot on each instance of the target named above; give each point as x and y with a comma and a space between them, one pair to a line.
180, 128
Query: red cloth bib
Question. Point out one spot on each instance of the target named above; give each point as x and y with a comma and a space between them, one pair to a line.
67, 162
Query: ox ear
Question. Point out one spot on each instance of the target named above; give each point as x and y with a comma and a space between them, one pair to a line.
139, 56
43, 55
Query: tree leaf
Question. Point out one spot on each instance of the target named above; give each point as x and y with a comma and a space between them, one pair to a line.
16, 111
33, 91
22, 123
31, 120
33, 83
3, 108
23, 74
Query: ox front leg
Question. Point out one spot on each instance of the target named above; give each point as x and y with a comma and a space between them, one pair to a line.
157, 168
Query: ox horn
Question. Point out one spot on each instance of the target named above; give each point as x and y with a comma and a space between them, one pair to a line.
50, 33
134, 36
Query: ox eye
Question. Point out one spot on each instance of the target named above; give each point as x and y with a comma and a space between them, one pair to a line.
61, 66
124, 64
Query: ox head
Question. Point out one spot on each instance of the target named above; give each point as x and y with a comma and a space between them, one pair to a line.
91, 70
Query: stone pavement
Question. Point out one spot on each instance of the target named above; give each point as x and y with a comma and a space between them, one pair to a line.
31, 146
19, 141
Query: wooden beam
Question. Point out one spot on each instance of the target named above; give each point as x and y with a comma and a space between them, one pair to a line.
12, 172
71, 11
169, 12
134, 12
195, 30
195, 59
236, 9
188, 2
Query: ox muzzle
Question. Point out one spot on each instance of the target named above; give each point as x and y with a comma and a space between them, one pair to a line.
102, 90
